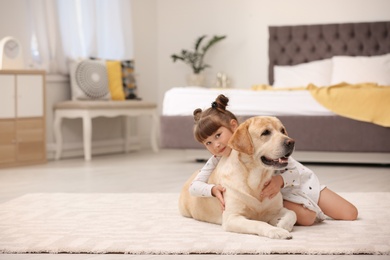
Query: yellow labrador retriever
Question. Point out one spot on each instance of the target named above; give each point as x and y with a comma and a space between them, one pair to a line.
260, 146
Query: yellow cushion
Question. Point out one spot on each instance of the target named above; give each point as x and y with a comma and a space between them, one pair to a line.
115, 82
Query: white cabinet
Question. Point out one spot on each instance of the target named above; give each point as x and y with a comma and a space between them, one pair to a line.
22, 118
7, 96
29, 96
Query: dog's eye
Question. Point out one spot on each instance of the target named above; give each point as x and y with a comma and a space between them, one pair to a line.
265, 132
283, 131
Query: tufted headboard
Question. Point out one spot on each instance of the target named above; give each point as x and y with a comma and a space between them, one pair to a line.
291, 45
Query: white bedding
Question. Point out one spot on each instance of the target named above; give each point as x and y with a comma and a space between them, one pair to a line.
182, 101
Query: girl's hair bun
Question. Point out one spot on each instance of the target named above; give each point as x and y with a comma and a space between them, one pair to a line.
221, 102
197, 113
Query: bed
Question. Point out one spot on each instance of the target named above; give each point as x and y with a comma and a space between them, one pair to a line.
327, 54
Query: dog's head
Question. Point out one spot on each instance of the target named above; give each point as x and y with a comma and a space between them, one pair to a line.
265, 138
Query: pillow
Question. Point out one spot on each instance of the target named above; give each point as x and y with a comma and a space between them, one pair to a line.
89, 80
114, 72
315, 72
359, 69
128, 79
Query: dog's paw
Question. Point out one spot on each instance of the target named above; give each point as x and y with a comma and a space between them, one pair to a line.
278, 233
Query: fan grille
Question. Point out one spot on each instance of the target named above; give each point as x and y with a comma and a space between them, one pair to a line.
92, 79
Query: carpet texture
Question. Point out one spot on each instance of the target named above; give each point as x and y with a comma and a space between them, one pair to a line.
149, 223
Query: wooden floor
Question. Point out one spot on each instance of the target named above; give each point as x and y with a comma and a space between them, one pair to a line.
165, 171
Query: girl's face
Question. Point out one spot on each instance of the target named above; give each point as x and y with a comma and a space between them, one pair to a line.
217, 142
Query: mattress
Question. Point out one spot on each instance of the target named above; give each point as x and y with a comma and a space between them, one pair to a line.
182, 101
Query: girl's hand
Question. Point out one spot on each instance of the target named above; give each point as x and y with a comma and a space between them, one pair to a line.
272, 187
217, 191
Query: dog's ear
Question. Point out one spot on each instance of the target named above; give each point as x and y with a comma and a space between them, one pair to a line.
241, 140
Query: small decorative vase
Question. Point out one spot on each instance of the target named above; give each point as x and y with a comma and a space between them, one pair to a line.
196, 80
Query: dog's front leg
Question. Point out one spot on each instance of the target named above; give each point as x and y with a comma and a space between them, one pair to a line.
240, 224
286, 219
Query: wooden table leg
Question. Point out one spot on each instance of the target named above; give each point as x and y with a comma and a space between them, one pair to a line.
58, 134
87, 136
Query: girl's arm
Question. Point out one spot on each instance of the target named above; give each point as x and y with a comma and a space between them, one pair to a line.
287, 177
199, 186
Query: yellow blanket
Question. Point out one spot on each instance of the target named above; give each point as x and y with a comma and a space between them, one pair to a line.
366, 102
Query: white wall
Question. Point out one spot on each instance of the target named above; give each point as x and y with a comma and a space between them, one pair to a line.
14, 21
164, 27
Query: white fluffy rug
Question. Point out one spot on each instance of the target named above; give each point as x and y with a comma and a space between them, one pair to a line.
149, 223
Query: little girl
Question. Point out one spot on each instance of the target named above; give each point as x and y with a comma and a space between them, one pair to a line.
299, 186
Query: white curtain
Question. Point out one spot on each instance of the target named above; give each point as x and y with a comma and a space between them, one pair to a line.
64, 30
45, 43
96, 28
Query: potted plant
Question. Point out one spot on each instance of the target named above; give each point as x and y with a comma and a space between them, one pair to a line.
195, 58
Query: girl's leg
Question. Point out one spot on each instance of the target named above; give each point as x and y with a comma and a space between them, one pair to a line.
305, 217
336, 207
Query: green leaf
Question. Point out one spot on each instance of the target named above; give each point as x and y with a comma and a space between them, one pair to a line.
213, 41
198, 42
195, 57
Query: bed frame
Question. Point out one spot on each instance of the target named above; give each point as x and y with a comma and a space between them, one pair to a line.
318, 138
